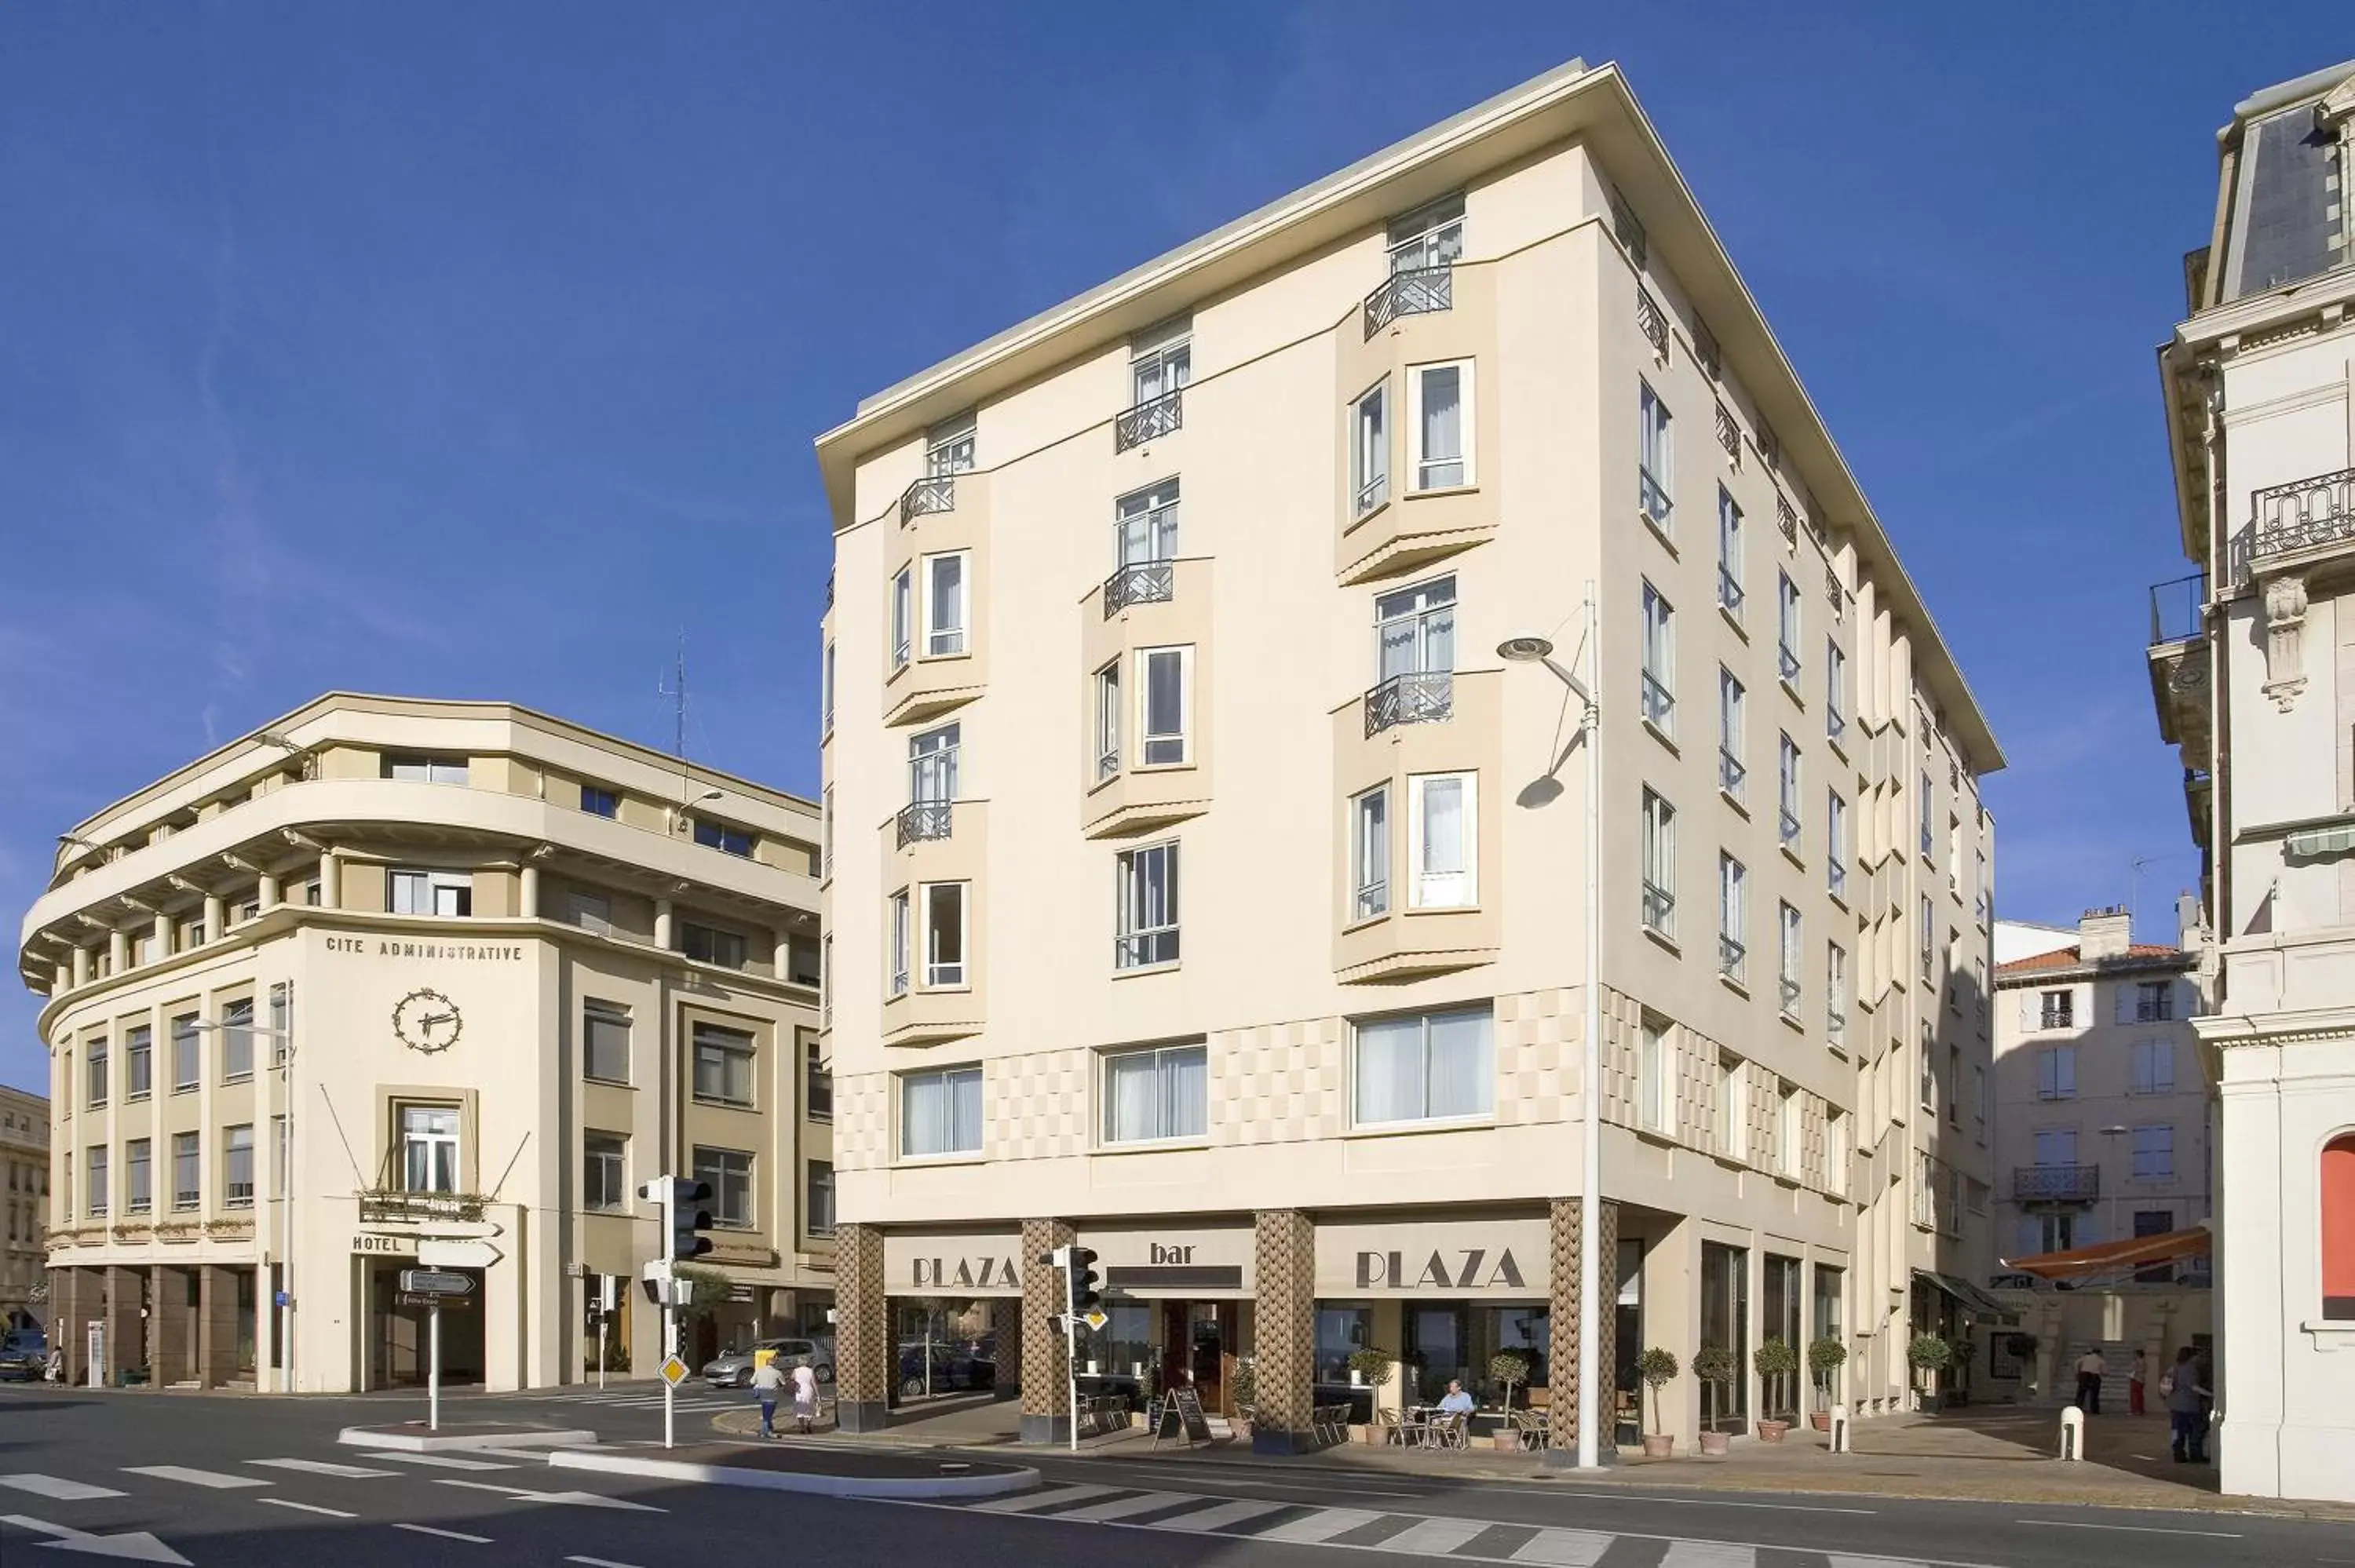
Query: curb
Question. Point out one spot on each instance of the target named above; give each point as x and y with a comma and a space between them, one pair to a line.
445, 1442
893, 1487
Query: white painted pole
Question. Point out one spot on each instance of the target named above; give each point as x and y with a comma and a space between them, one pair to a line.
286, 1218
1590, 1083
605, 1325
433, 1368
670, 1348
1072, 1363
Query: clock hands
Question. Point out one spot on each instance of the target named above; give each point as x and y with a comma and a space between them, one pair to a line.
433, 1019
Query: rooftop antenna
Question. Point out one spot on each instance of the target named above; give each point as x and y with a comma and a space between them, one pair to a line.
676, 692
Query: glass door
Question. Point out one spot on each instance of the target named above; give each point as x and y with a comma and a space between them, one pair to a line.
1725, 1325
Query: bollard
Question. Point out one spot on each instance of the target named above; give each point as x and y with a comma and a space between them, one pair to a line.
1840, 1429
2073, 1434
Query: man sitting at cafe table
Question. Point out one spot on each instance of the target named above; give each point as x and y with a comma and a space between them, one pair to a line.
1456, 1402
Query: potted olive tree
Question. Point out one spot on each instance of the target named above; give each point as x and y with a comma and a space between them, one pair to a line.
1658, 1367
1825, 1358
1242, 1393
1714, 1364
1776, 1361
1929, 1355
1510, 1369
1370, 1367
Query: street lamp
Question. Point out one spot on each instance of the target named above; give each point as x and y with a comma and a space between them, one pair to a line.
1533, 650
285, 1039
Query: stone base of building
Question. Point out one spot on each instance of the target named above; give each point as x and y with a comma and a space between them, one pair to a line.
1045, 1429
1565, 1456
1268, 1440
861, 1415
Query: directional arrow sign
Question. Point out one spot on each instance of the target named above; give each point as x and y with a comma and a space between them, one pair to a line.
135, 1546
457, 1254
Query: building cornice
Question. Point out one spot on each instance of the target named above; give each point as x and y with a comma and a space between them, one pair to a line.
2227, 1032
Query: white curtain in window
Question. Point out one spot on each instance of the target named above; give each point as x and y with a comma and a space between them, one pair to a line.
1373, 449
1462, 1062
1131, 1098
964, 1108
1148, 524
1442, 427
924, 1115
1445, 842
944, 626
1390, 1069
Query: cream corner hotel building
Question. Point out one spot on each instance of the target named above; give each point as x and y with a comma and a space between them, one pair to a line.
389, 964
1203, 884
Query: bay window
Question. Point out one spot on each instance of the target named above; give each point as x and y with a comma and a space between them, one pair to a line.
903, 616
1163, 694
1370, 448
944, 604
1370, 853
1440, 424
902, 936
1444, 830
944, 933
1107, 721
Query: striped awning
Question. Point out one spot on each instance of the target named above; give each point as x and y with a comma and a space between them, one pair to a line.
2309, 843
2112, 1257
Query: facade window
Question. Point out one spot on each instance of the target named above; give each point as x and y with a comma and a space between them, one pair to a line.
1789, 1124
1835, 692
1107, 717
2338, 1175
95, 1064
600, 803
2056, 1147
1659, 662
902, 942
1414, 630
1731, 773
188, 1169
1786, 793
1429, 237
604, 1179
1165, 682
1924, 799
1440, 423
2154, 1153
2154, 1066
236, 1041
1786, 626
2145, 1001
1729, 553
187, 1054
2056, 1010
1835, 995
1732, 894
96, 1165
1652, 458
1444, 839
605, 1042
139, 1063
949, 447
1148, 907
1370, 449
723, 837
940, 1113
903, 616
826, 682
944, 604
1426, 1067
818, 1079
1836, 845
1163, 1093
945, 934
1929, 1073
1659, 847
1789, 985
1654, 1063
932, 757
1370, 853
826, 833
1835, 1180
710, 945
723, 1065
1161, 362
1733, 1108
1979, 1100
448, 893
1145, 526
139, 1175
820, 1200
426, 769
428, 1147
729, 1173
1927, 925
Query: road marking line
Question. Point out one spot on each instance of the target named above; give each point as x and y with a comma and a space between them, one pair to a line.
1564, 1548
1707, 1554
599, 1563
448, 1462
1209, 1519
1322, 1525
445, 1534
1121, 1508
1703, 1502
306, 1507
188, 1477
57, 1487
134, 1545
2128, 1529
527, 1494
322, 1467
1025, 1501
1435, 1537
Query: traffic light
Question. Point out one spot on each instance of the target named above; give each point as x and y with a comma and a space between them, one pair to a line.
689, 1218
1086, 1296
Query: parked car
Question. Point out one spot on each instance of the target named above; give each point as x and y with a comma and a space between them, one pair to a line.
954, 1365
24, 1358
733, 1369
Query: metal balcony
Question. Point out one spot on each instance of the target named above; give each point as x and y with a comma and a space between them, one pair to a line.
1654, 325
2056, 1183
2304, 512
1140, 582
2178, 610
922, 819
1149, 420
1416, 697
934, 493
1411, 291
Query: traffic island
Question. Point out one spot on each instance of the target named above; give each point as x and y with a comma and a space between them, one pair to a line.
417, 1438
793, 1468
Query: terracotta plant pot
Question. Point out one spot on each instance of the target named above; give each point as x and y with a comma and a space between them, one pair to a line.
1659, 1445
1821, 1420
1772, 1431
1507, 1440
1715, 1442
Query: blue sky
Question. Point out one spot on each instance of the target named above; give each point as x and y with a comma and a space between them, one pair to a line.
475, 349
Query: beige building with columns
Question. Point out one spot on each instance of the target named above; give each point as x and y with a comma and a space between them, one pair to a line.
1203, 885
390, 970
24, 1265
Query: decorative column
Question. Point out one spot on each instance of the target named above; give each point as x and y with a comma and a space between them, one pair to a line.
162, 935
118, 950
171, 1326
661, 924
217, 1326
331, 880
1564, 1395
70, 1319
215, 917
1283, 1248
1046, 1396
266, 891
81, 966
528, 891
862, 1328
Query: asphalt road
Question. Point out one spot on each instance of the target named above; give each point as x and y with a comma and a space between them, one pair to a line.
220, 1481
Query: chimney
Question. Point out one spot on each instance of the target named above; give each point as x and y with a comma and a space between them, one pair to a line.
2104, 933
2190, 922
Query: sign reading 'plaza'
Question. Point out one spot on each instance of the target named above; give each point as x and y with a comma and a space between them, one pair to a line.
1471, 1269
1492, 1257
463, 952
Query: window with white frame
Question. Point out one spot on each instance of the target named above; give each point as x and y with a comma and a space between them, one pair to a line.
945, 934
1426, 1067
428, 1147
944, 604
1732, 775
448, 893
605, 1040
138, 1063
723, 1065
1787, 791
1835, 691
1370, 852
1158, 1093
1441, 424
96, 1164
187, 1053
1659, 856
1925, 800
728, 1172
1370, 447
1444, 839
1145, 525
2056, 1073
94, 1065
1148, 907
903, 616
1108, 720
1653, 484
2055, 1009
949, 446
1836, 844
605, 1178
1786, 626
1414, 630
1660, 660
1161, 361
932, 757
2154, 1066
1429, 237
2154, 1153
1836, 994
825, 696
826, 831
1927, 925
1732, 894
1733, 1108
901, 917
2147, 1002
939, 1112
188, 1169
1791, 987
236, 1040
1654, 1064
426, 769
1729, 553
1929, 1072
1836, 1151
1165, 682
139, 1175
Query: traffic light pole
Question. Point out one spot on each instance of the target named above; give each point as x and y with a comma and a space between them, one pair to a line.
670, 1348
1072, 1363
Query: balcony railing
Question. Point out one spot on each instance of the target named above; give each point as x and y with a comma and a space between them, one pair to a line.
1416, 697
1729, 434
2304, 512
1791, 995
1149, 420
2177, 609
1786, 661
1730, 957
1659, 703
934, 493
392, 1204
1654, 498
1729, 592
1659, 908
922, 819
1730, 773
2056, 1183
1789, 823
1787, 518
1654, 325
1411, 292
1140, 582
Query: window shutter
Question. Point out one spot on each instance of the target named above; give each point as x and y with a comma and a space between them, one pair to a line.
2123, 1010
2030, 1011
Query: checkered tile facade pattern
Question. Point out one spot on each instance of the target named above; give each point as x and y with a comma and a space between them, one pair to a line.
1537, 1057
1283, 1362
862, 1121
1035, 1107
1280, 1082
1044, 1391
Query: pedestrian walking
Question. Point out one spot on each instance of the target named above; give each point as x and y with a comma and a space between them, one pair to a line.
2186, 1393
2090, 1367
804, 1396
766, 1381
2133, 1386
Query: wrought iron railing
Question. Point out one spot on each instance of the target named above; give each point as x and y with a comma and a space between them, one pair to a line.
1654, 325
1789, 823
1654, 497
1729, 434
1786, 661
2304, 512
393, 1204
1834, 594
922, 819
1730, 955
1659, 908
933, 492
2056, 1183
1149, 420
2178, 610
1729, 592
1659, 703
1730, 773
1416, 697
1409, 291
1139, 582
1787, 518
1791, 995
